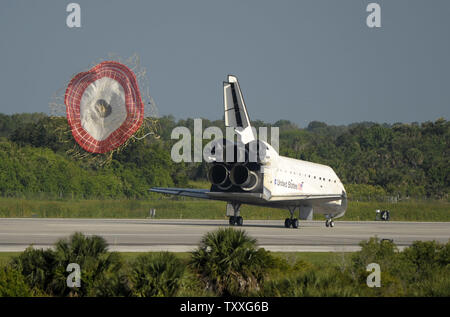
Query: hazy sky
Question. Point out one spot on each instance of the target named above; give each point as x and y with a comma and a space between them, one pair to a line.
296, 60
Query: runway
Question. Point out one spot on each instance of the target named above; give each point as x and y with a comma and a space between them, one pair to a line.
141, 235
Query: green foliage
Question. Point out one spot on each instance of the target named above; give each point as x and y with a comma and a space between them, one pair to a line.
186, 208
229, 263
37, 267
407, 210
48, 132
375, 251
422, 269
26, 170
409, 160
45, 270
384, 253
365, 192
12, 283
156, 274
405, 160
10, 124
427, 268
101, 270
313, 282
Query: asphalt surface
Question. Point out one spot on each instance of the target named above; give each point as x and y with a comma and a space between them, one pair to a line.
140, 235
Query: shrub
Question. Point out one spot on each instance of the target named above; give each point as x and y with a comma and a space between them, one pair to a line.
312, 282
12, 283
156, 274
374, 251
229, 263
421, 269
426, 268
37, 267
101, 271
424, 256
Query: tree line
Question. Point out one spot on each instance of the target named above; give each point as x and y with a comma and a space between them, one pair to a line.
404, 160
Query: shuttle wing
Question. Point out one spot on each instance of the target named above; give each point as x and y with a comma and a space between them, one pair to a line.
248, 198
189, 192
206, 194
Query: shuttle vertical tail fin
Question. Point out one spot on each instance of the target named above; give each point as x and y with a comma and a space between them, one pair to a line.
236, 115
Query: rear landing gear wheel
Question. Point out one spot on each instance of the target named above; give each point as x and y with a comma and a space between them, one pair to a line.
294, 223
287, 223
236, 221
329, 223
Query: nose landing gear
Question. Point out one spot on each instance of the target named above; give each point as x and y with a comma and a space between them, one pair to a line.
329, 223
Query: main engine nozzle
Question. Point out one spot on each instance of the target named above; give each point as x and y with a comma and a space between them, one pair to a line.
219, 175
241, 176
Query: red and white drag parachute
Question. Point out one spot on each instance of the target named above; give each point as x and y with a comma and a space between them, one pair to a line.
104, 107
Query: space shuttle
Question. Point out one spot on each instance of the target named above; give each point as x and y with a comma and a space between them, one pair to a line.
250, 171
